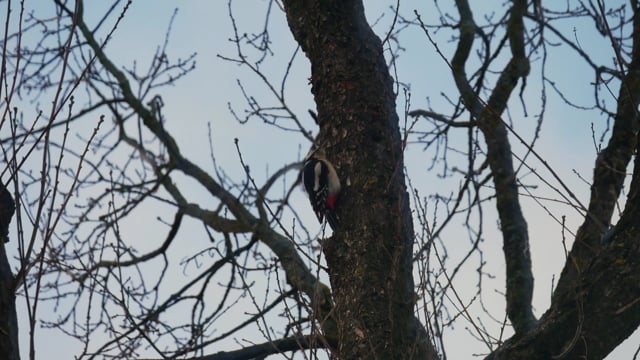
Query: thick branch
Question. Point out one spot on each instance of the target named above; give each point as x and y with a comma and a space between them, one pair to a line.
597, 302
603, 310
513, 224
468, 30
609, 173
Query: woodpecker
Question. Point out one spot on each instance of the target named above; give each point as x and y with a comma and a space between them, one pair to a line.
322, 185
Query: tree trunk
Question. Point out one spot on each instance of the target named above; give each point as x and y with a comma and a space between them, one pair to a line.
369, 256
8, 320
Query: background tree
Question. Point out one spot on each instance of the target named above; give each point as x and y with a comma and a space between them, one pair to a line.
115, 249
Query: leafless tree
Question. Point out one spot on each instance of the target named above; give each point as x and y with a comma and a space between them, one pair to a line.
222, 253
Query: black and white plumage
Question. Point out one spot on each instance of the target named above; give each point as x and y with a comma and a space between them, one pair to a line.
322, 184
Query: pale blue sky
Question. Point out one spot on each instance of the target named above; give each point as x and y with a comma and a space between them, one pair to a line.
202, 97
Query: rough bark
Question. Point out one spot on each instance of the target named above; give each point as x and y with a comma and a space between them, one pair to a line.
369, 257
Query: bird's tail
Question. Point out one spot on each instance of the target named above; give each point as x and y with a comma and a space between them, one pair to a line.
332, 219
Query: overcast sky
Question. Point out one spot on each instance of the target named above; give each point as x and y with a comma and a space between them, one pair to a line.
203, 98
